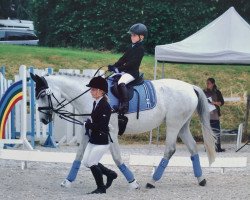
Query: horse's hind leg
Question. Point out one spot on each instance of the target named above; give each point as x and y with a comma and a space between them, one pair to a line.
116, 154
189, 141
170, 148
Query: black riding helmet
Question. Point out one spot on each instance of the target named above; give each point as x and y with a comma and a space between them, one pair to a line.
99, 83
139, 29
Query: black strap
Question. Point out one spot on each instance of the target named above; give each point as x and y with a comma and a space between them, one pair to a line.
70, 119
138, 103
63, 105
98, 71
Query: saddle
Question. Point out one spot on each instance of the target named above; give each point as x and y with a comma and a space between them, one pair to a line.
130, 86
141, 98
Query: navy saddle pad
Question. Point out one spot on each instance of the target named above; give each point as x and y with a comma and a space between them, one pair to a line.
147, 97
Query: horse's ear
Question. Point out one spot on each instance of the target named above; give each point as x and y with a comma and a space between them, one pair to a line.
34, 77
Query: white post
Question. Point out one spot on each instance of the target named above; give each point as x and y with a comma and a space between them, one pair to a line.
162, 71
155, 69
155, 75
24, 107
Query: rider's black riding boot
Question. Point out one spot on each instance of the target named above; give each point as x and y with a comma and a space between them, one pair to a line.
97, 173
111, 175
124, 101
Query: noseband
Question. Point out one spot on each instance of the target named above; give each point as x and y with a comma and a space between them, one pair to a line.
47, 110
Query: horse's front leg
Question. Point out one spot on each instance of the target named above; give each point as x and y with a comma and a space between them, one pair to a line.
116, 154
77, 162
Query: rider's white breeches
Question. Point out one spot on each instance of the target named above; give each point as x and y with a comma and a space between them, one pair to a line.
126, 78
93, 154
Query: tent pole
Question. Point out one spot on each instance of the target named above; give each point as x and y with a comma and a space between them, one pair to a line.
162, 70
155, 69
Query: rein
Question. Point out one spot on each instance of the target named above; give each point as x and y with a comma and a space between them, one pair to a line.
64, 114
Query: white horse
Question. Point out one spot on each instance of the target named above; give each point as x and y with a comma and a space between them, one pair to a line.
176, 102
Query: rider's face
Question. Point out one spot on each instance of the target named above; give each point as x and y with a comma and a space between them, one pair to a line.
96, 93
135, 38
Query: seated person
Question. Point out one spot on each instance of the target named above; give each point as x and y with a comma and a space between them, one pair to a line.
128, 65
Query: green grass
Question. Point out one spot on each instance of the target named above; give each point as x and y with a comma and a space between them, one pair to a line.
232, 80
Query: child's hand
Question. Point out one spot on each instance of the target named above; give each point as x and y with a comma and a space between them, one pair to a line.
112, 68
87, 123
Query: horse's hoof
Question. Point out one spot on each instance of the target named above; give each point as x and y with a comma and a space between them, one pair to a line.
203, 182
134, 185
149, 186
66, 183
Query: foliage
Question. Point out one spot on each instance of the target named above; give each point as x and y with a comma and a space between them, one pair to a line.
103, 24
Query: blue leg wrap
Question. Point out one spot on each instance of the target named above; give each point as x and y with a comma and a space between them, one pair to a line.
160, 169
196, 165
74, 170
126, 172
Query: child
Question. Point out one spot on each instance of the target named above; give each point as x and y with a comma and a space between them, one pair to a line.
99, 137
128, 65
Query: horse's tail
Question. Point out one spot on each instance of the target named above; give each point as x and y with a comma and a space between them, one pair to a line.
208, 135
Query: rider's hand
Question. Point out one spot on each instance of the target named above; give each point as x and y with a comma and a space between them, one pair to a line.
87, 123
111, 68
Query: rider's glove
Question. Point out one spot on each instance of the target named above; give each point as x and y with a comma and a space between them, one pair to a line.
112, 68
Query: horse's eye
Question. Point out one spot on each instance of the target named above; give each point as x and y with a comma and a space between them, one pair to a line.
43, 95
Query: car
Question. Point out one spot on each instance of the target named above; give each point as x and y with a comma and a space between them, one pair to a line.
18, 36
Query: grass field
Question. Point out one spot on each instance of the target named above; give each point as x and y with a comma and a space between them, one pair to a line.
232, 80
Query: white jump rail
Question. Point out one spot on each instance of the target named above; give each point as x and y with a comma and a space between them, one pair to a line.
178, 161
136, 160
45, 156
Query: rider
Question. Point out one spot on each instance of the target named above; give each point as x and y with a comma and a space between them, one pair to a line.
128, 65
99, 138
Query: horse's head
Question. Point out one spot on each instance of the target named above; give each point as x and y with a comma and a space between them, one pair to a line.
44, 94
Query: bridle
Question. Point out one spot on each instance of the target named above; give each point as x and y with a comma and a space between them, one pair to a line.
59, 109
62, 113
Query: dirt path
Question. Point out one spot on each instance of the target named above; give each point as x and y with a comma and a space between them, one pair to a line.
42, 180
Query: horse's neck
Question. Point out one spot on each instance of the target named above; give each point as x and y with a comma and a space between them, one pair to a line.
71, 87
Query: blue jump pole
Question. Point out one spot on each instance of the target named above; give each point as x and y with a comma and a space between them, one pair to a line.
31, 84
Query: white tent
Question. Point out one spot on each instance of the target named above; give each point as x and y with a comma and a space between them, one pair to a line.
225, 40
